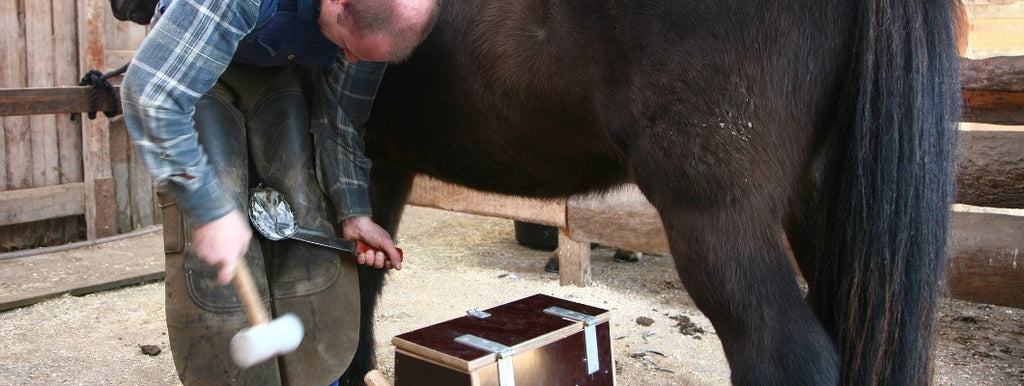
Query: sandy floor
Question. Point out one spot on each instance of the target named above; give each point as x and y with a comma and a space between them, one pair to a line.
455, 262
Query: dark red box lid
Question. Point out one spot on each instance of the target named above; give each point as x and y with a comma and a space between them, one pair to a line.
521, 325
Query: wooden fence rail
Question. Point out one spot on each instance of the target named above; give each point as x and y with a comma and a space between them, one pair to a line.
53, 100
993, 90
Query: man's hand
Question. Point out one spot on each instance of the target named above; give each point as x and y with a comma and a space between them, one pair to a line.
222, 242
363, 228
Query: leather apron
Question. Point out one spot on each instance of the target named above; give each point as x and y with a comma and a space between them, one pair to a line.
254, 125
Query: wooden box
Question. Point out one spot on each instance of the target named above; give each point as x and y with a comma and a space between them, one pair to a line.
538, 340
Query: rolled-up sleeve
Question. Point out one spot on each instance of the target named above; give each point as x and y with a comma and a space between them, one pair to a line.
348, 93
182, 57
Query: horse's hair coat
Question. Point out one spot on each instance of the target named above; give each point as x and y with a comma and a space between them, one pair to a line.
825, 130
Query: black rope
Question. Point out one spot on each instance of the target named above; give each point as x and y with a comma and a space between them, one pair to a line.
100, 85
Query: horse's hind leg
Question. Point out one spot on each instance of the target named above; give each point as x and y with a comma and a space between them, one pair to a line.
799, 226
724, 224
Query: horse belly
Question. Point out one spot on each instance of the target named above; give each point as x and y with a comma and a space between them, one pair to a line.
524, 156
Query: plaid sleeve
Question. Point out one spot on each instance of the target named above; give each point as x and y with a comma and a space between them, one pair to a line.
348, 94
181, 58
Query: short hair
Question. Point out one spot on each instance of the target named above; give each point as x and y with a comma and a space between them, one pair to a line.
383, 17
373, 17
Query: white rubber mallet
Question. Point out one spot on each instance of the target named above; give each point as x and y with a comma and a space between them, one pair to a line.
266, 338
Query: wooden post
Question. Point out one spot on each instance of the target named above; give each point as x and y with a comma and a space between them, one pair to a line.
573, 260
119, 165
100, 202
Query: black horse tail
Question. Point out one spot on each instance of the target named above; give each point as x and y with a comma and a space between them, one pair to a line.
887, 191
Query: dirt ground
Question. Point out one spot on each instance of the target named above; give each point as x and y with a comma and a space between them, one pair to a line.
455, 262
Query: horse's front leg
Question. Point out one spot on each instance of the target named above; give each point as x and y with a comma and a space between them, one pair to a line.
389, 189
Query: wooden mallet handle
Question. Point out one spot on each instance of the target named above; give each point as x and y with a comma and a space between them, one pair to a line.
376, 378
249, 295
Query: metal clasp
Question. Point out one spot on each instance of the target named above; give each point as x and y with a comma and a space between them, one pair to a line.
506, 376
589, 333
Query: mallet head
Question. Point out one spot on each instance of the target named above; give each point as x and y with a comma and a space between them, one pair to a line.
264, 341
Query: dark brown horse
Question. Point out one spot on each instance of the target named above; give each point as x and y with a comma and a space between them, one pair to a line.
758, 129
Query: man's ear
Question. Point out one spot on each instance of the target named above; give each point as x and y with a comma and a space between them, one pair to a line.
333, 3
344, 16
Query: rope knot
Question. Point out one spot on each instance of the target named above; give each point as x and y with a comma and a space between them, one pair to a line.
100, 85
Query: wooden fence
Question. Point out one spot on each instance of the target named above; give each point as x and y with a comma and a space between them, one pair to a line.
62, 179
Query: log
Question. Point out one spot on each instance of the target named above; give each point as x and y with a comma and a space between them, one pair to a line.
1001, 73
994, 107
990, 169
993, 90
987, 265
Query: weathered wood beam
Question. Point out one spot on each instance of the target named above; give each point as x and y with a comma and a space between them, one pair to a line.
990, 168
1000, 73
622, 217
993, 90
34, 204
432, 193
51, 100
987, 264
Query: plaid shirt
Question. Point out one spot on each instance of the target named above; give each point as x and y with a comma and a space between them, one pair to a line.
181, 59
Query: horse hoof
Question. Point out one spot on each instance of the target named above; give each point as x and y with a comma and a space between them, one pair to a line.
536, 236
624, 256
552, 265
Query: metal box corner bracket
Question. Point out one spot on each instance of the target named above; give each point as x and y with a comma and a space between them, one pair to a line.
589, 333
506, 376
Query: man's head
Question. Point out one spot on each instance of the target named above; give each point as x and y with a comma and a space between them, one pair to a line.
377, 30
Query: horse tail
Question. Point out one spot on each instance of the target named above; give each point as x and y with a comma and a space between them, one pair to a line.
887, 191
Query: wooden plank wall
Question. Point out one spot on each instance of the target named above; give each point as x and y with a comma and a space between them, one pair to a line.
52, 43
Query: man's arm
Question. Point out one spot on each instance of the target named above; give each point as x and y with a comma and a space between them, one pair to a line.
348, 93
179, 61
